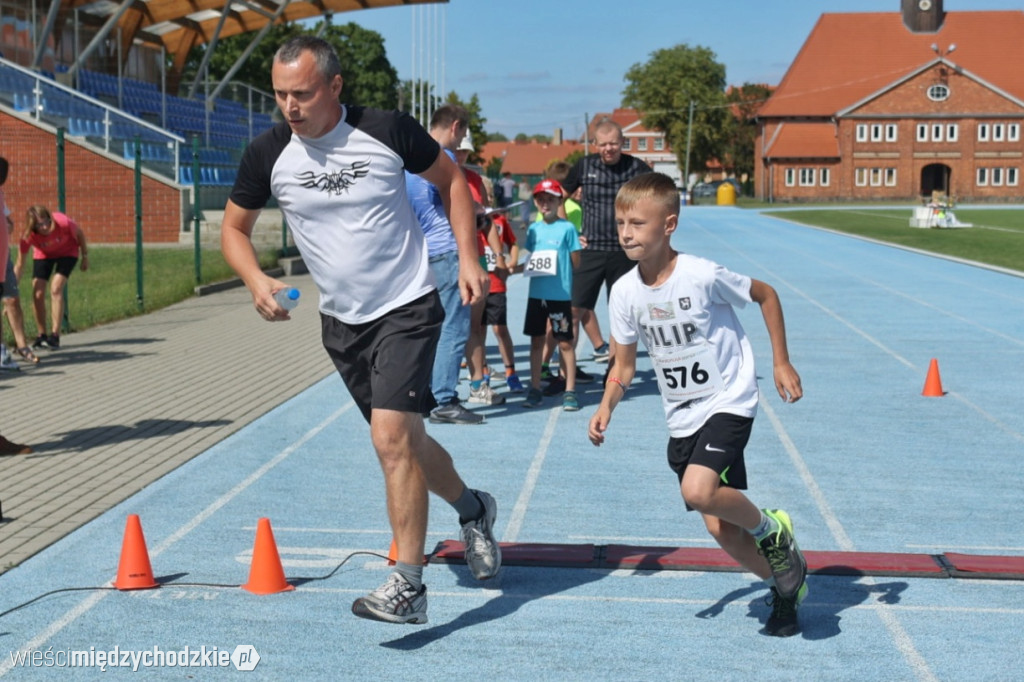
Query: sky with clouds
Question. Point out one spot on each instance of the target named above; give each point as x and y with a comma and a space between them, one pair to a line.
537, 66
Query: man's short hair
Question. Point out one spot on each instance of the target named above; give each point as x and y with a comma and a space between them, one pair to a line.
327, 62
657, 186
607, 124
447, 114
4, 168
557, 170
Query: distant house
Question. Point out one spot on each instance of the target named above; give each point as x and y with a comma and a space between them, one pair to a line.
527, 160
898, 105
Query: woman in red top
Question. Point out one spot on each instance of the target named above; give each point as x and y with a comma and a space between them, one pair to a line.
57, 242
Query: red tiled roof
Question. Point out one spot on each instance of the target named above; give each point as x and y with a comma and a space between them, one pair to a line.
804, 141
848, 57
531, 158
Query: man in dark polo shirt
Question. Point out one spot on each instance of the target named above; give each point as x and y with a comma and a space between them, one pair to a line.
600, 175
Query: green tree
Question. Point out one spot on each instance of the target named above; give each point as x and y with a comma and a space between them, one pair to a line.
496, 137
741, 129
369, 77
662, 88
423, 90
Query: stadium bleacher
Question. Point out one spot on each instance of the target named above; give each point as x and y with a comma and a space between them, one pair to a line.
222, 131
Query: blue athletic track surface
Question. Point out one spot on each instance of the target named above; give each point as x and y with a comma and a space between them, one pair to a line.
909, 508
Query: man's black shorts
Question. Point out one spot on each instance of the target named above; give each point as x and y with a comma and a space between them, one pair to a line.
597, 268
387, 363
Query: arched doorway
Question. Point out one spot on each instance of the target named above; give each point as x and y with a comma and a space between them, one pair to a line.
935, 177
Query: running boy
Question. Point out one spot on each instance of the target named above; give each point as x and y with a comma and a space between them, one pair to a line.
554, 248
682, 308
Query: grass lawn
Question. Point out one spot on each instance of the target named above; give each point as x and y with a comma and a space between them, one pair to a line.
997, 237
107, 291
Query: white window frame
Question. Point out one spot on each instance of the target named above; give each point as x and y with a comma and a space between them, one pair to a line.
952, 132
627, 144
823, 177
922, 132
860, 176
997, 177
982, 132
891, 131
659, 144
938, 92
890, 177
862, 132
876, 132
790, 177
876, 177
807, 176
982, 177
937, 132
997, 132
1011, 176
641, 144
1013, 132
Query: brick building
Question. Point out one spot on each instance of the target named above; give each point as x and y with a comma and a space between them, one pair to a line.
898, 105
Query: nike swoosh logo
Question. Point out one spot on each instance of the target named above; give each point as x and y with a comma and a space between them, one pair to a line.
711, 449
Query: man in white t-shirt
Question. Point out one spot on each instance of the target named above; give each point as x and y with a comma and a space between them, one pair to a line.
681, 306
338, 174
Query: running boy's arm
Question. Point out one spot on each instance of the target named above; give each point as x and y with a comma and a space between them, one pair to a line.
621, 370
787, 381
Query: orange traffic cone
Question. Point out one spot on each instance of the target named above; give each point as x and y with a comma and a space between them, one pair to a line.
134, 571
266, 575
933, 384
393, 555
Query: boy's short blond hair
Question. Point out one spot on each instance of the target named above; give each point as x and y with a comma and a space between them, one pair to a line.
657, 186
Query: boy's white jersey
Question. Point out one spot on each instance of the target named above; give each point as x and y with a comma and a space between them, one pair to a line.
702, 357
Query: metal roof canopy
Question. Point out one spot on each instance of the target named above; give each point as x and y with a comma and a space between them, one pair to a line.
179, 25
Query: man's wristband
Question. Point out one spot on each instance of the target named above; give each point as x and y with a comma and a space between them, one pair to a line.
616, 380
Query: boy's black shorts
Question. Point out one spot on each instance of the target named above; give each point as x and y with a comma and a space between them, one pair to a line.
496, 310
718, 445
539, 311
387, 363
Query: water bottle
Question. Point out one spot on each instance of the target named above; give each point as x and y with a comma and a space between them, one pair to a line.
287, 298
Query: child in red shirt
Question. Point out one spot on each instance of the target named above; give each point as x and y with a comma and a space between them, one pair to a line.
57, 241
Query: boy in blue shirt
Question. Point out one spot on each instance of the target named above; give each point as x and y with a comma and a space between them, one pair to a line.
554, 247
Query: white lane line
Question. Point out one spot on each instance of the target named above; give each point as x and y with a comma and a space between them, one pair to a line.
86, 604
515, 521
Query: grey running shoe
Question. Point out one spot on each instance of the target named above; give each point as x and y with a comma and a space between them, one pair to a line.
483, 555
783, 621
601, 354
784, 556
454, 413
394, 602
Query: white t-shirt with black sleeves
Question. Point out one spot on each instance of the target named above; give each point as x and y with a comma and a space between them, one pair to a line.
343, 196
701, 355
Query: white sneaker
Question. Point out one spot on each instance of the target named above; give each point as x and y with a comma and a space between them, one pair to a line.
7, 363
486, 396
